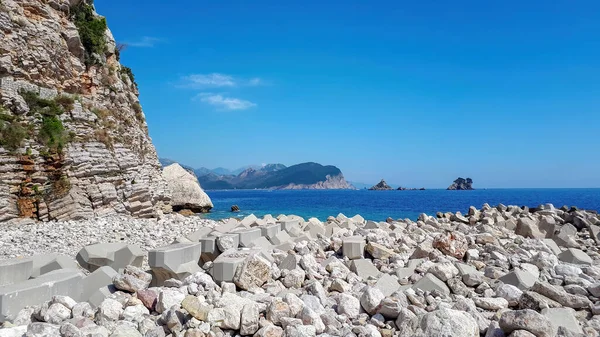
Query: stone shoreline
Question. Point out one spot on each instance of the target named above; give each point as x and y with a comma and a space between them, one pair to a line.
497, 271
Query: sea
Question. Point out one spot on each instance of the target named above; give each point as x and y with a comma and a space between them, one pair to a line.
379, 205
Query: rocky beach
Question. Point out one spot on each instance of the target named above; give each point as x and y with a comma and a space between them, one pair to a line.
496, 271
99, 240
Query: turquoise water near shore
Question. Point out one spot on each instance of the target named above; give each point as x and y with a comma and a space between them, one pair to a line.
379, 205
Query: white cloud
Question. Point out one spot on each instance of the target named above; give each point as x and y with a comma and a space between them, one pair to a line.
225, 103
209, 80
218, 80
255, 81
144, 42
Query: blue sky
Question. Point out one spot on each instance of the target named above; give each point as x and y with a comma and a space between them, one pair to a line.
505, 92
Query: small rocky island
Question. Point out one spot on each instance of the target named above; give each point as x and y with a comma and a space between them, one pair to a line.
461, 184
410, 189
381, 186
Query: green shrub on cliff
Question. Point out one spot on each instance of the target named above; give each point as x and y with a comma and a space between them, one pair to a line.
12, 133
91, 31
126, 71
43, 106
52, 134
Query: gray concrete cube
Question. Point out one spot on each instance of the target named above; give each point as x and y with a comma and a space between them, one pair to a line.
14, 297
228, 226
44, 264
331, 229
262, 243
15, 270
175, 261
248, 235
199, 234
280, 238
286, 246
271, 230
209, 249
100, 278
353, 247
289, 224
314, 229
114, 255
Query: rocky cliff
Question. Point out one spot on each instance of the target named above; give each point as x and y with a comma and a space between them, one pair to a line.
73, 138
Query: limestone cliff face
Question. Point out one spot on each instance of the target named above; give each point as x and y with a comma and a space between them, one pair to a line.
73, 139
337, 182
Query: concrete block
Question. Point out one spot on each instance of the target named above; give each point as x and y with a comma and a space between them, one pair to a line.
15, 270
100, 278
175, 261
302, 237
248, 235
228, 241
519, 278
281, 238
43, 264
348, 224
371, 225
341, 217
228, 226
364, 268
358, 219
270, 231
285, 246
262, 243
314, 229
564, 317
14, 297
289, 224
225, 266
101, 294
353, 247
388, 284
209, 249
259, 223
114, 255
430, 283
331, 229
181, 239
199, 234
575, 256
249, 220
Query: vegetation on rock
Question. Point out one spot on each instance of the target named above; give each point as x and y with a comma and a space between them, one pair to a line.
52, 134
91, 31
12, 133
126, 71
43, 106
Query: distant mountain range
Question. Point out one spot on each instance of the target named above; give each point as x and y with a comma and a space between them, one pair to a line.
270, 176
